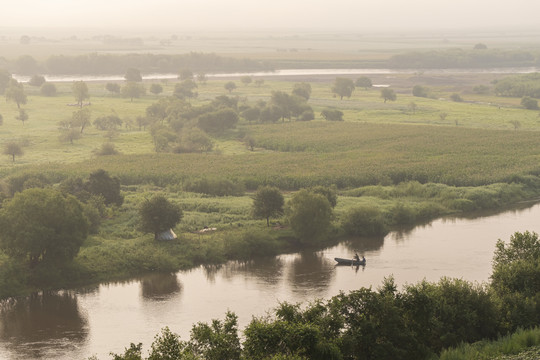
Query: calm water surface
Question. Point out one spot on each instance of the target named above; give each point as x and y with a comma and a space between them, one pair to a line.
76, 324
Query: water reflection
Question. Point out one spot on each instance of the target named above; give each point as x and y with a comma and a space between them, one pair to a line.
268, 270
311, 272
362, 245
52, 318
159, 286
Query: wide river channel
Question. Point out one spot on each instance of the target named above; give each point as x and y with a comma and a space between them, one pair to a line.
79, 323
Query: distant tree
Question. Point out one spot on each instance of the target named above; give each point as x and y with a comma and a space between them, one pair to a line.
270, 113
332, 114
15, 93
267, 202
133, 75
388, 94
156, 89
48, 89
218, 121
133, 90
102, 184
259, 82
251, 114
81, 119
114, 88
68, 133
5, 77
302, 89
80, 91
13, 149
36, 80
250, 142
107, 148
516, 124
456, 97
327, 192
412, 107
185, 89
364, 82
26, 64
309, 215
480, 46
202, 78
42, 225
159, 214
343, 87
108, 122
230, 86
185, 74
22, 116
481, 89
529, 103
284, 103
197, 140
420, 91
246, 80
443, 116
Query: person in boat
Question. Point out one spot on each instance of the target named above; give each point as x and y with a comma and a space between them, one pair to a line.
356, 257
363, 258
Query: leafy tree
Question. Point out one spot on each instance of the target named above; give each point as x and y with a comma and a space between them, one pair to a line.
246, 80
102, 184
420, 91
80, 91
185, 74
108, 123
388, 94
5, 77
13, 149
68, 132
332, 114
456, 97
218, 121
481, 89
107, 148
185, 89
364, 82
309, 215
302, 89
195, 140
42, 225
202, 78
156, 89
251, 114
328, 192
365, 221
343, 87
259, 82
284, 103
22, 116
133, 75
167, 346
159, 214
48, 89
267, 202
81, 119
15, 93
113, 87
36, 80
412, 107
270, 113
133, 90
529, 103
230, 86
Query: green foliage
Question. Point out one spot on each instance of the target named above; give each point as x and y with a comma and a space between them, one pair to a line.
230, 86
156, 89
134, 352
519, 86
364, 82
185, 89
343, 87
167, 346
48, 89
107, 148
218, 121
113, 87
309, 215
80, 91
159, 214
529, 103
250, 244
133, 74
42, 225
133, 90
213, 186
388, 94
102, 184
328, 192
420, 91
267, 202
13, 149
302, 89
365, 221
456, 97
332, 114
15, 92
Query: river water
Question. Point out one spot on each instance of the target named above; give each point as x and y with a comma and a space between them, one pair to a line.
288, 72
76, 324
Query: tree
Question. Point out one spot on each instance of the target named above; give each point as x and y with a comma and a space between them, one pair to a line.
133, 75
259, 82
443, 116
246, 80
42, 225
343, 87
68, 134
5, 77
332, 114
529, 103
22, 116
80, 91
302, 90
36, 80
218, 121
113, 88
516, 124
309, 215
48, 89
185, 89
156, 89
108, 123
251, 114
480, 46
133, 90
364, 82
267, 202
13, 149
456, 97
284, 103
420, 91
185, 74
81, 118
202, 78
229, 86
159, 214
412, 107
327, 192
388, 94
101, 183
15, 93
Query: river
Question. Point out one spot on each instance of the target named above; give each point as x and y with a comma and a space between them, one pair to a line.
289, 73
76, 324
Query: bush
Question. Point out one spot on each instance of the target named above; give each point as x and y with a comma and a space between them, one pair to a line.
420, 91
216, 187
48, 89
529, 103
365, 221
456, 97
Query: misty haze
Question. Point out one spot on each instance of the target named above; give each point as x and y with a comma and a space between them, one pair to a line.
269, 180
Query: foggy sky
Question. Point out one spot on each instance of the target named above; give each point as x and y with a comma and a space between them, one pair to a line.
270, 14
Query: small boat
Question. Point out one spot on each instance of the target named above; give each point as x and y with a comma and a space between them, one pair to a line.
341, 261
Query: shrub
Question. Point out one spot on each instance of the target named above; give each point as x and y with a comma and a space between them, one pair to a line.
217, 187
365, 221
48, 89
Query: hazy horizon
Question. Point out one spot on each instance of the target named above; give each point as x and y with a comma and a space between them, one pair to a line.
238, 15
